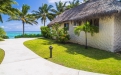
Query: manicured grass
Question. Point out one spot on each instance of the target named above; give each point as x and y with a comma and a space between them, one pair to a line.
2, 54
76, 56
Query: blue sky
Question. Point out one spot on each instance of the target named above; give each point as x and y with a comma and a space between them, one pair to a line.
17, 25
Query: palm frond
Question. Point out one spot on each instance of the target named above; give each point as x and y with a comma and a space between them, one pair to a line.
25, 9
78, 29
14, 18
1, 18
44, 12
49, 7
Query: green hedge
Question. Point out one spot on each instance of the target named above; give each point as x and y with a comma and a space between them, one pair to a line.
5, 37
28, 36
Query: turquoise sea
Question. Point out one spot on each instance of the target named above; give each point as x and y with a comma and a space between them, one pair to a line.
11, 34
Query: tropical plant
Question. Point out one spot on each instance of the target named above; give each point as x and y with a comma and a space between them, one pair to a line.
28, 36
6, 8
2, 32
46, 32
60, 8
87, 28
24, 17
73, 4
63, 35
44, 13
60, 34
55, 30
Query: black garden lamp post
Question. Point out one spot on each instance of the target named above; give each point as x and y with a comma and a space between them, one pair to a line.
51, 48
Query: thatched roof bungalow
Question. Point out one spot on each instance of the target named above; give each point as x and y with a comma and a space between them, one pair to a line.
106, 13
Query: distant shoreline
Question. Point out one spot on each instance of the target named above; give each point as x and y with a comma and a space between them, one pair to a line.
22, 31
12, 34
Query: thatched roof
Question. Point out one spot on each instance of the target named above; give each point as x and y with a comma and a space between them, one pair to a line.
90, 9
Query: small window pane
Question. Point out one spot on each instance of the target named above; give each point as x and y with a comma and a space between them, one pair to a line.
74, 23
66, 25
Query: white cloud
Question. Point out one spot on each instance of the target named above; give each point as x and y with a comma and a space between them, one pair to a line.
53, 1
18, 27
2, 26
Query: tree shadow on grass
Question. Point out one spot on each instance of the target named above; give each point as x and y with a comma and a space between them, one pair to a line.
90, 52
74, 49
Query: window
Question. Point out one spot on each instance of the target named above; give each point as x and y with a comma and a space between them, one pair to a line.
66, 25
77, 23
119, 0
80, 22
95, 22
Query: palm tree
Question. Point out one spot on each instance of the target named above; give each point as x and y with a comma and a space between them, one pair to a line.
24, 17
44, 13
6, 8
73, 4
60, 8
86, 27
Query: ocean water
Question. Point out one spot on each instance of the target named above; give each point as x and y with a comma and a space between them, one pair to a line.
12, 34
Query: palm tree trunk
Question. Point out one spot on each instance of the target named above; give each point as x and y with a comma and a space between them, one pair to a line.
23, 27
44, 22
85, 40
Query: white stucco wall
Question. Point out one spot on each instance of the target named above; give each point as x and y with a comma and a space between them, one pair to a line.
117, 33
102, 40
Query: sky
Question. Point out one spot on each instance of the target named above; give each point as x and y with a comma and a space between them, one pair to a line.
34, 4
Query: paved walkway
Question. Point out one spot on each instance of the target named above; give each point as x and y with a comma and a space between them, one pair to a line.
19, 60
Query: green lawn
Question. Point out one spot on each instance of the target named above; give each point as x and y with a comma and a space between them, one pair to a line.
2, 54
76, 56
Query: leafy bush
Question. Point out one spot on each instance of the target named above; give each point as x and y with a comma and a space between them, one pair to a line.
63, 36
46, 32
3, 34
5, 37
28, 36
60, 34
1, 39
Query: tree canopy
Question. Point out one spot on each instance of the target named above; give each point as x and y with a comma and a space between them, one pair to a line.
44, 13
24, 16
6, 8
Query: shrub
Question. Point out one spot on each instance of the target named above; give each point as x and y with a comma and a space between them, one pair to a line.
46, 32
1, 39
3, 34
60, 34
28, 36
63, 36
5, 37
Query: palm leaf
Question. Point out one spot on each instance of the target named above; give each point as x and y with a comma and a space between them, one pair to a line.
25, 9
1, 18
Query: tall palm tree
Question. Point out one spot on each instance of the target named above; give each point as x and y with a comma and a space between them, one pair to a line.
73, 4
24, 17
60, 8
6, 8
44, 13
